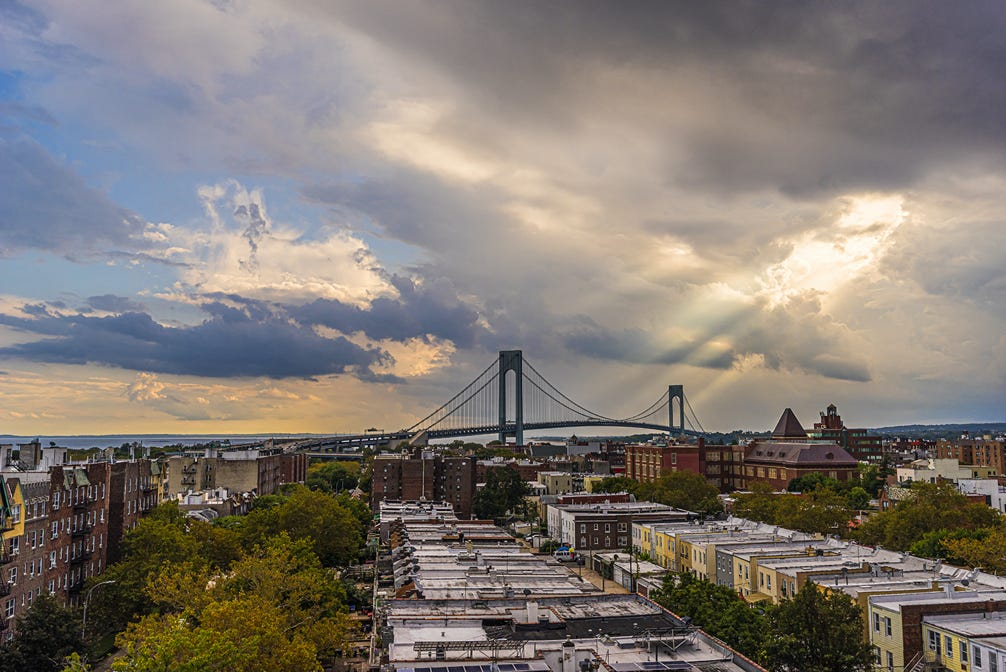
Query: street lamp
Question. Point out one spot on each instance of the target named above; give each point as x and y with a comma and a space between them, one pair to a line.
87, 598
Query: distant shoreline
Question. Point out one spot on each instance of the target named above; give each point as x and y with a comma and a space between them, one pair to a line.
84, 441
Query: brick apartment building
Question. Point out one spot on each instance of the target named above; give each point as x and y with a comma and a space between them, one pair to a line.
645, 462
974, 451
424, 475
857, 442
61, 524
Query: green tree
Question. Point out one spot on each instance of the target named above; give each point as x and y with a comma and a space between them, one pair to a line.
716, 609
45, 635
822, 511
160, 539
504, 491
617, 484
332, 476
276, 610
760, 504
334, 530
931, 507
981, 548
858, 498
812, 481
683, 490
817, 631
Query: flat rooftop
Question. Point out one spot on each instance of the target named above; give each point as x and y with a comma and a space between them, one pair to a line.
625, 633
985, 624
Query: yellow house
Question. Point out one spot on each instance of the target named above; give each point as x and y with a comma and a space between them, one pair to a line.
947, 639
663, 548
642, 538
903, 627
11, 509
11, 519
590, 481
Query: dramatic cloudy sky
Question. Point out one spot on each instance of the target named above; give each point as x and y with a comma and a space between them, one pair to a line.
255, 215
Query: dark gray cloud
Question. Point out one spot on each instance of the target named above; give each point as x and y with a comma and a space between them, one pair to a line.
111, 303
805, 98
233, 342
428, 309
45, 206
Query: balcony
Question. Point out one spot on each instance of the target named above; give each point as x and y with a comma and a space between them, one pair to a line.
80, 531
5, 557
80, 506
6, 523
4, 589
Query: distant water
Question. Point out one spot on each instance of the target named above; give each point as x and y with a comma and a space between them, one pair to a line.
150, 440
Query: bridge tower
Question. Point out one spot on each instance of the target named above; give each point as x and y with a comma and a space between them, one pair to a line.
676, 392
512, 360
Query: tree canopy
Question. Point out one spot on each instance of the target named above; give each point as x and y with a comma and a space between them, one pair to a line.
277, 609
503, 492
332, 476
681, 489
816, 631
821, 510
931, 507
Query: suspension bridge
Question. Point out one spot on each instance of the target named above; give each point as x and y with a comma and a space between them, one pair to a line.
510, 397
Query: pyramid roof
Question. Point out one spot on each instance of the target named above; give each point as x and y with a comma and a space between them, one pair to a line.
788, 427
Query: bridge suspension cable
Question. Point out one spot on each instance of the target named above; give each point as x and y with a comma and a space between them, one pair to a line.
472, 404
694, 415
558, 397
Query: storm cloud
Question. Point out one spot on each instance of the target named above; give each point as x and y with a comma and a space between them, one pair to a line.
231, 343
787, 201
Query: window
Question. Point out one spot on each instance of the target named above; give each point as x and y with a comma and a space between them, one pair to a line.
993, 662
934, 641
52, 559
887, 626
948, 644
890, 661
976, 653
15, 545
607, 527
9, 609
964, 652
596, 527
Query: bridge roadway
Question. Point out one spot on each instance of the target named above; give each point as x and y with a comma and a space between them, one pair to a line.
341, 443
